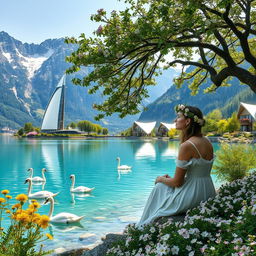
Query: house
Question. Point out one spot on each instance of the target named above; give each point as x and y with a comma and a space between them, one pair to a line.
247, 116
164, 128
142, 129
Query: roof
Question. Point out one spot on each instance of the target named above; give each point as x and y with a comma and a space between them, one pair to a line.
249, 107
168, 126
146, 127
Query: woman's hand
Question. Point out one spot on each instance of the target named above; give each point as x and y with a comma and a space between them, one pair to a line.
166, 176
158, 179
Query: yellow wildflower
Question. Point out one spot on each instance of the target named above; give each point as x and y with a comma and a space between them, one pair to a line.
33, 200
8, 197
35, 205
19, 211
22, 198
8, 211
16, 206
23, 217
2, 200
44, 221
49, 236
36, 218
5, 191
30, 211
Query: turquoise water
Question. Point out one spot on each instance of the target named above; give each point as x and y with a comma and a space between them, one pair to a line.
118, 198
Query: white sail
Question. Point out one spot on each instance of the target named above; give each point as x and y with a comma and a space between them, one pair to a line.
54, 113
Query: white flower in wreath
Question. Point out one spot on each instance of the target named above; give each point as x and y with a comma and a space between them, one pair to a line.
186, 110
182, 107
196, 119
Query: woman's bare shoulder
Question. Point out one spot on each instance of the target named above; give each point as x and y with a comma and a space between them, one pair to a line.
185, 151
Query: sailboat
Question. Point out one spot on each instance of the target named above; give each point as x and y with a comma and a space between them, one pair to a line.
53, 120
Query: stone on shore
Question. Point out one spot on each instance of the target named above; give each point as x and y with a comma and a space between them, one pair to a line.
86, 236
101, 249
74, 252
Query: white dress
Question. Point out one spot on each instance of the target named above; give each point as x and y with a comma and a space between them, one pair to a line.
168, 201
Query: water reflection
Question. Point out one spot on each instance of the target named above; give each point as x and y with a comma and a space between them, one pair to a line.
53, 157
171, 151
79, 196
122, 171
64, 227
147, 150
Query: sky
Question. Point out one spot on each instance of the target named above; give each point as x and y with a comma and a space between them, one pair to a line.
33, 21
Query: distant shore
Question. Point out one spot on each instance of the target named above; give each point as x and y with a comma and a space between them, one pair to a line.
88, 137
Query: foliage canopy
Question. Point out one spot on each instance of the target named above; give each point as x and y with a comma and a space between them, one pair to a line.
131, 46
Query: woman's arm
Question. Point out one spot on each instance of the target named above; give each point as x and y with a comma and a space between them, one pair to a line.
176, 181
185, 153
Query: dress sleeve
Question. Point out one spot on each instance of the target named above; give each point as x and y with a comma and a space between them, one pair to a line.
183, 163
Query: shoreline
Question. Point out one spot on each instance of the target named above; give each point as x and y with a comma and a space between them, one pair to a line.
217, 139
212, 139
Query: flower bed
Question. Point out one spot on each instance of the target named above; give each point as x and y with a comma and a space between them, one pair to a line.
224, 225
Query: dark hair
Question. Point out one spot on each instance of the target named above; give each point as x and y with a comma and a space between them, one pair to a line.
194, 128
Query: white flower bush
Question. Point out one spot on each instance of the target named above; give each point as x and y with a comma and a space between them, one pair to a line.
224, 225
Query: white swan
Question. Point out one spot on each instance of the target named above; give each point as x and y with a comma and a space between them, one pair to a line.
80, 189
122, 167
39, 194
63, 217
37, 178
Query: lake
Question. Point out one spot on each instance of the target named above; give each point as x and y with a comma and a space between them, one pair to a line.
118, 198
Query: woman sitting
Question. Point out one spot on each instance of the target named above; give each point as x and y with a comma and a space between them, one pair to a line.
192, 182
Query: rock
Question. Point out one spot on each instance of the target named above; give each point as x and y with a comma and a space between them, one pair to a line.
101, 249
175, 218
116, 233
74, 252
99, 218
85, 236
59, 250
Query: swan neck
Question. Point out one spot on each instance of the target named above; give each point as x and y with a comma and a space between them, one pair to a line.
29, 187
73, 182
51, 208
118, 162
43, 175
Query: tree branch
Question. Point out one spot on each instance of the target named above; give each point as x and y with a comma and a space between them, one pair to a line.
189, 77
193, 63
221, 76
241, 5
224, 16
247, 19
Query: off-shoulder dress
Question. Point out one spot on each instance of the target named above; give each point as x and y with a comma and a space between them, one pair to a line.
167, 201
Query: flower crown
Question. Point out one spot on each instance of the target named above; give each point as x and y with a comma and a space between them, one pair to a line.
185, 111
